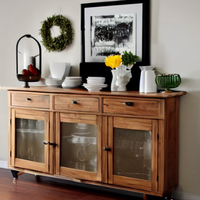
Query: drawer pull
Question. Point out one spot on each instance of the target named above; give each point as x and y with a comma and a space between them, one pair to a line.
129, 103
74, 102
53, 144
106, 149
28, 99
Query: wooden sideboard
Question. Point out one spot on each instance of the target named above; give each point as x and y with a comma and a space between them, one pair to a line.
122, 140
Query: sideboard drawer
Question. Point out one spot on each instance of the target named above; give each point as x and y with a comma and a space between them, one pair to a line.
132, 107
76, 103
30, 100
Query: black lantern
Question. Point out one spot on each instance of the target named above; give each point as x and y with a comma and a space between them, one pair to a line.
28, 60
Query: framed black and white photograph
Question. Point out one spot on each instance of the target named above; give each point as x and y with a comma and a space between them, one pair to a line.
110, 28
114, 27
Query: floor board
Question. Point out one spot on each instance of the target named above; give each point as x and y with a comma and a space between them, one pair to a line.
45, 188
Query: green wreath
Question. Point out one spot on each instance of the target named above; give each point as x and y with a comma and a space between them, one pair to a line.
64, 39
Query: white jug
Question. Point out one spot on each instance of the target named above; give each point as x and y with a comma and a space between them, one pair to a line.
142, 79
147, 80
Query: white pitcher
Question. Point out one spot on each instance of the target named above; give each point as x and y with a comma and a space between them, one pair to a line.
147, 80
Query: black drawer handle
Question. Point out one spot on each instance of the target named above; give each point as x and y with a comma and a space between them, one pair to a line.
129, 103
28, 99
53, 144
74, 102
106, 149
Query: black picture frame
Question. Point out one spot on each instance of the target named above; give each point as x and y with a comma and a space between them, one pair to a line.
97, 68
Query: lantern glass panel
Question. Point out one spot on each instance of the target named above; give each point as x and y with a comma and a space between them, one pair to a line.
28, 53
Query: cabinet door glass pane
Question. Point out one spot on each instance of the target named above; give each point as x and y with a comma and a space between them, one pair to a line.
132, 153
30, 135
79, 146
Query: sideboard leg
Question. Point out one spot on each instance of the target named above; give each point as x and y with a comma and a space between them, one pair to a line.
145, 197
15, 175
168, 197
37, 178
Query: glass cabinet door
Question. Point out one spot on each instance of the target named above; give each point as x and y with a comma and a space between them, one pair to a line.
133, 153
30, 133
78, 146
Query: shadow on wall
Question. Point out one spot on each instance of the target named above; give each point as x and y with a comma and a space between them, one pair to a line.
189, 137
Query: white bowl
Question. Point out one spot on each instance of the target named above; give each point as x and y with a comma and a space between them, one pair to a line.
94, 77
94, 88
95, 80
59, 69
71, 83
73, 78
53, 82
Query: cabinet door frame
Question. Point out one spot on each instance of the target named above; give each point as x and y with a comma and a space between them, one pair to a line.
34, 115
76, 173
134, 124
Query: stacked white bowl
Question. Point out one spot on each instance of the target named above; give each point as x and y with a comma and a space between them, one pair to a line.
72, 82
54, 82
95, 84
58, 70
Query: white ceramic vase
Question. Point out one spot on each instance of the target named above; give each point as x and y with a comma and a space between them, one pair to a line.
59, 69
120, 78
147, 80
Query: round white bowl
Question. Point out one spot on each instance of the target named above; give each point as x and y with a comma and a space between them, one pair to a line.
95, 80
94, 77
73, 78
71, 83
53, 82
94, 88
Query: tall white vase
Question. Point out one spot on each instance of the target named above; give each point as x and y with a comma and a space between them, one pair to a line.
142, 80
113, 82
59, 69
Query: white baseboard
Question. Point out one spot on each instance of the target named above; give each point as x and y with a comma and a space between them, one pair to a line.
185, 196
175, 194
4, 164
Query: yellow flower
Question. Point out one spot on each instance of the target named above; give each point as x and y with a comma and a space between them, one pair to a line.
113, 61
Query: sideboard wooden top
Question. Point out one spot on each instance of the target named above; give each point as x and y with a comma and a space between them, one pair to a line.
46, 89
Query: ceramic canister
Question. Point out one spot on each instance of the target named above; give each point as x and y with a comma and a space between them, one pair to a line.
147, 80
142, 80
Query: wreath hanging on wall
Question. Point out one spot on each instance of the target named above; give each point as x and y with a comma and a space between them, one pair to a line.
66, 33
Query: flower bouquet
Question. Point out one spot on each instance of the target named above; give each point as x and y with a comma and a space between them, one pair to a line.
121, 65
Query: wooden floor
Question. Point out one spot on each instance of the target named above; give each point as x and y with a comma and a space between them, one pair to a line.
45, 188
